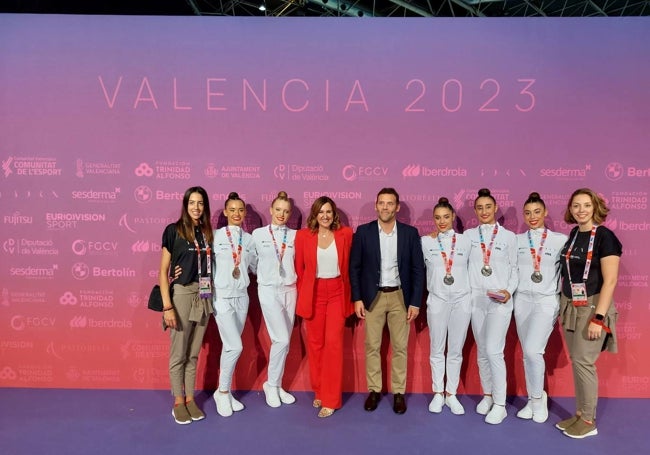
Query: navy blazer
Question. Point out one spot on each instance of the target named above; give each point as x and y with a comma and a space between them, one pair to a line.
365, 264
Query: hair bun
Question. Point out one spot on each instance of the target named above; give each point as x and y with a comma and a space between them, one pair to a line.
233, 195
534, 195
484, 192
443, 200
283, 195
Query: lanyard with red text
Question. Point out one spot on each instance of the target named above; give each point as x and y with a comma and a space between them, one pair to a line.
537, 256
486, 270
448, 279
236, 254
279, 253
590, 252
205, 282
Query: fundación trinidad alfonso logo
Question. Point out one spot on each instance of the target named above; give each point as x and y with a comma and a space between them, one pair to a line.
614, 171
143, 170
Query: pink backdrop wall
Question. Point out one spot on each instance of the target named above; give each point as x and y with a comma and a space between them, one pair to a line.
105, 121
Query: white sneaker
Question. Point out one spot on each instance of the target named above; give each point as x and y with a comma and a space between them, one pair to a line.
540, 408
286, 397
235, 404
272, 395
527, 411
436, 404
484, 406
496, 414
222, 400
452, 403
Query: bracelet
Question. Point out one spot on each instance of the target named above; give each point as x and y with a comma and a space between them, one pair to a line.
602, 324
168, 309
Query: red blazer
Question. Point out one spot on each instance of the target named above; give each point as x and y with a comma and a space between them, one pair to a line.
306, 248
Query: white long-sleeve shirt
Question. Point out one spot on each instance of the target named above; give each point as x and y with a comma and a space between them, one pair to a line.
435, 264
225, 285
268, 266
503, 259
549, 264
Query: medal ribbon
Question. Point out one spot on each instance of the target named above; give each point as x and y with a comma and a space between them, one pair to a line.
208, 253
487, 253
236, 255
537, 256
590, 252
279, 254
450, 262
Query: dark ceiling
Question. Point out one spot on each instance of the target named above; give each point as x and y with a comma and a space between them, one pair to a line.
334, 8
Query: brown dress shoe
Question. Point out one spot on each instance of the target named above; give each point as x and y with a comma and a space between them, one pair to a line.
372, 401
399, 405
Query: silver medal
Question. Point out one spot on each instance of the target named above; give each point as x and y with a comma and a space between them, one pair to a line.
448, 280
537, 277
486, 270
236, 273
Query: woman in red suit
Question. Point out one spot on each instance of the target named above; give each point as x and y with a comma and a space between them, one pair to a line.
324, 299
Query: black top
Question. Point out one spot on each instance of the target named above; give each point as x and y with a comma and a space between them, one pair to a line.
184, 254
605, 244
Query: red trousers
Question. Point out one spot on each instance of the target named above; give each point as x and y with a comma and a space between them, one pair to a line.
325, 342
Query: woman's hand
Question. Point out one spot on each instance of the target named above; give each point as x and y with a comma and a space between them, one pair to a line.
594, 331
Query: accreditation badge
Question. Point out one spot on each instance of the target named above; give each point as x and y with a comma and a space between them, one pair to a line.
579, 294
205, 287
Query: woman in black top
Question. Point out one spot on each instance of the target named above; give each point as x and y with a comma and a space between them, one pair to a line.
186, 247
590, 261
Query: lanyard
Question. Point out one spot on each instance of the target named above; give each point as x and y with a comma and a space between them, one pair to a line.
279, 253
448, 263
208, 253
590, 252
487, 253
236, 255
537, 256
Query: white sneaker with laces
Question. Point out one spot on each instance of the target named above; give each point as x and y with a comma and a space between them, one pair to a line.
222, 400
454, 405
527, 411
286, 397
484, 406
496, 414
436, 403
272, 395
540, 408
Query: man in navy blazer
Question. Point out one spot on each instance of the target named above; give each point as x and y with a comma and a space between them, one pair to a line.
387, 279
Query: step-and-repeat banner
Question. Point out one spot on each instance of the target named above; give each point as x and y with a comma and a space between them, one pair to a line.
105, 121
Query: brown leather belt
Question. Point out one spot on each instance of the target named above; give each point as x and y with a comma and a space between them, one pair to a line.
389, 288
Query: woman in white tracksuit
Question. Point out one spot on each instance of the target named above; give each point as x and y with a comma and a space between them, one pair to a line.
234, 253
276, 289
449, 307
538, 301
493, 277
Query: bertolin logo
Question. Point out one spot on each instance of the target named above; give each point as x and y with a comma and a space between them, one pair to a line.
417, 170
614, 171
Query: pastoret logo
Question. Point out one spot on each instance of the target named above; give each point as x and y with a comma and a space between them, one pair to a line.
144, 170
143, 194
68, 298
614, 171
80, 271
352, 172
124, 222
